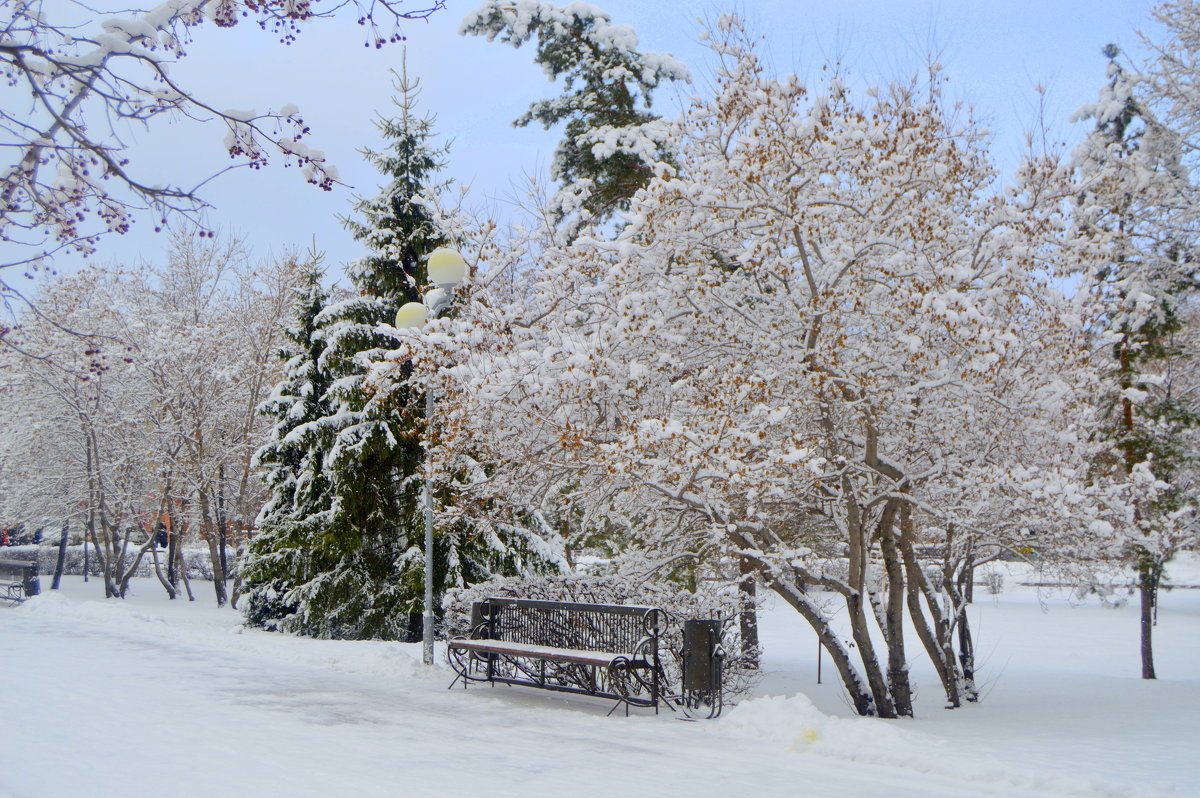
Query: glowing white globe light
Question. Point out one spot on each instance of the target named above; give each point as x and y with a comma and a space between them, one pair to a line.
446, 267
411, 316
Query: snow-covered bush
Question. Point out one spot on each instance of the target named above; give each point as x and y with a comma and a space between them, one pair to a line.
1110, 585
994, 580
679, 605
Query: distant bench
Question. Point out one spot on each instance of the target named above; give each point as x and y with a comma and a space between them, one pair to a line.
603, 650
18, 580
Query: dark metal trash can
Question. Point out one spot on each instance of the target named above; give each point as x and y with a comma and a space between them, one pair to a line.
22, 572
701, 655
480, 619
33, 585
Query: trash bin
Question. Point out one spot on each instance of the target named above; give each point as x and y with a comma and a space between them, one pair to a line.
701, 655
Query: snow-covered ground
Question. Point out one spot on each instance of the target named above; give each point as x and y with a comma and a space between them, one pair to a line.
150, 697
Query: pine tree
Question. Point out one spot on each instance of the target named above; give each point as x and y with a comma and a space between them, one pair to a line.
341, 550
611, 139
283, 558
373, 525
1137, 202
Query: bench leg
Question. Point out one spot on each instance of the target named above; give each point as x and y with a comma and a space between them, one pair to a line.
463, 664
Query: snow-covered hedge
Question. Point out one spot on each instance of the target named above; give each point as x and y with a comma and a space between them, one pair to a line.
197, 561
679, 605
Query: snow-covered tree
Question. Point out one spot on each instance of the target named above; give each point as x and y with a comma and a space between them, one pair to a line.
217, 324
363, 575
77, 79
159, 421
67, 435
824, 343
611, 139
287, 554
1139, 208
351, 565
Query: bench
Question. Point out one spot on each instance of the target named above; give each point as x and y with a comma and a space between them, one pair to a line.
18, 580
602, 650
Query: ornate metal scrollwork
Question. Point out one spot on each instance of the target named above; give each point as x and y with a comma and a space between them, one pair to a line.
606, 651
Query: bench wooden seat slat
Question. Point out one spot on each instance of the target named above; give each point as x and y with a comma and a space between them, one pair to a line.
601, 658
609, 651
601, 650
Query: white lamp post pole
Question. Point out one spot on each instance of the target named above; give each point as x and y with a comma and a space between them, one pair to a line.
427, 615
446, 270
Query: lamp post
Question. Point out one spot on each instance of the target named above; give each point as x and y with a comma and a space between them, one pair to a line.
446, 270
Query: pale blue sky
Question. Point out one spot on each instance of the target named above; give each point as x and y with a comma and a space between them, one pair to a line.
995, 54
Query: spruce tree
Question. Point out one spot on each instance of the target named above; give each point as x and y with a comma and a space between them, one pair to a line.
611, 138
341, 554
1139, 201
374, 527
283, 558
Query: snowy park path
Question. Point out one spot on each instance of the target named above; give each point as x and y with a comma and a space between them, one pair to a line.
147, 697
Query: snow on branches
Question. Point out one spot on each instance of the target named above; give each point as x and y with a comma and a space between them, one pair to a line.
1136, 215
150, 419
824, 348
612, 141
74, 86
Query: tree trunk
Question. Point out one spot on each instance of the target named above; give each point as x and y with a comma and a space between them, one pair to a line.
961, 589
164, 510
898, 681
102, 549
105, 542
789, 587
106, 547
1149, 574
62, 554
180, 566
966, 653
860, 696
935, 637
163, 580
236, 592
855, 609
222, 527
968, 589
207, 532
172, 552
748, 616
147, 545
87, 528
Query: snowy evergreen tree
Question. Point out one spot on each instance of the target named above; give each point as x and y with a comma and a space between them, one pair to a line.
1139, 208
611, 139
372, 456
285, 556
341, 555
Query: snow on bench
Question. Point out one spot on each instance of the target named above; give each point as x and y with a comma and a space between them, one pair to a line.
603, 650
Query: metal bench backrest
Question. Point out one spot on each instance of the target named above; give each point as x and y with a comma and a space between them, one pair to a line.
586, 627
